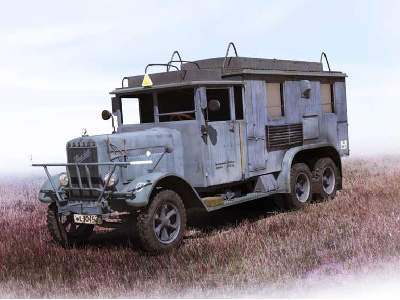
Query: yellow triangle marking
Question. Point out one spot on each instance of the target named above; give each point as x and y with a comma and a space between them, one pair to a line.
147, 81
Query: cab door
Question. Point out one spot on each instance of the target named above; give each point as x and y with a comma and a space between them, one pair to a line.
223, 137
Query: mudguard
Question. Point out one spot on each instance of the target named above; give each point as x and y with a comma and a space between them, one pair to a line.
284, 176
46, 191
143, 186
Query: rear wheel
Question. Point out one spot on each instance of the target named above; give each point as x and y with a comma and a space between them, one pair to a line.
300, 187
162, 224
327, 178
64, 230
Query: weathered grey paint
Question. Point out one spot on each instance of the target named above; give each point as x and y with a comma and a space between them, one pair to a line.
232, 151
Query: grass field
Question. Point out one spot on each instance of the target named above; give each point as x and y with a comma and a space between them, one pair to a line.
243, 249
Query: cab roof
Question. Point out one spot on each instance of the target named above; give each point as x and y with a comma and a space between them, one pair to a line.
226, 71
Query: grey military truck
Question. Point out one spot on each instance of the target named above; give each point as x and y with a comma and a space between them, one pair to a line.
207, 134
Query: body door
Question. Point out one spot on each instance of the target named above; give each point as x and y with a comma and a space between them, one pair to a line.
223, 137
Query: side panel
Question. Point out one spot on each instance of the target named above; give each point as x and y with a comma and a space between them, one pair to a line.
293, 109
339, 93
255, 114
294, 106
310, 106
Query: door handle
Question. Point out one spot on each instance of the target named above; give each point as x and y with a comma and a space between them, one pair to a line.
204, 130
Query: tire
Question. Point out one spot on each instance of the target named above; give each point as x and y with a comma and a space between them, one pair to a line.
300, 187
64, 230
326, 179
161, 226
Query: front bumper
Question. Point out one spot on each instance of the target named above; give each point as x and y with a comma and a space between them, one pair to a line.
102, 198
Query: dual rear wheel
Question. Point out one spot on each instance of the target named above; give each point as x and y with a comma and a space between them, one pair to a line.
321, 183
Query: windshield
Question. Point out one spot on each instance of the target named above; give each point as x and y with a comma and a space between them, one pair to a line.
173, 105
176, 105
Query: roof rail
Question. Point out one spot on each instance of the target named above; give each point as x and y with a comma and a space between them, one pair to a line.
186, 62
145, 71
166, 65
231, 44
323, 55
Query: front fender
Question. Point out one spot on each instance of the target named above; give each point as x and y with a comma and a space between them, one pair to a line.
46, 192
144, 186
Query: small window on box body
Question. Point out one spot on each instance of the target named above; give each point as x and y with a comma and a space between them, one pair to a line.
275, 106
327, 97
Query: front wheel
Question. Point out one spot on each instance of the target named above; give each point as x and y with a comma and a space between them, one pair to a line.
162, 224
64, 230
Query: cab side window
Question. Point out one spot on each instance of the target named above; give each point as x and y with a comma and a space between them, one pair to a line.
137, 109
218, 108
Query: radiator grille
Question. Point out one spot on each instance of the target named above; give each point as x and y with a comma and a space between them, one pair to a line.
83, 153
284, 136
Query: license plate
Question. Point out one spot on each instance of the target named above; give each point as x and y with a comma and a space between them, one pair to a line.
87, 219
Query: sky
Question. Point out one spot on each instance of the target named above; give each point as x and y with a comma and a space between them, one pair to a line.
59, 60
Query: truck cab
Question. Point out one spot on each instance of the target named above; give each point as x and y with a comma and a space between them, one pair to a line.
213, 133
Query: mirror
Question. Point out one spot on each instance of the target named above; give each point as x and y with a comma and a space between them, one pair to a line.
214, 105
106, 115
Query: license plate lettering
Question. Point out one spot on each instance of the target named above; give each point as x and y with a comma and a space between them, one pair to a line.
87, 219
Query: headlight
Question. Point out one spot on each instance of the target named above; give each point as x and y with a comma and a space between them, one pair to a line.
63, 180
112, 181
148, 153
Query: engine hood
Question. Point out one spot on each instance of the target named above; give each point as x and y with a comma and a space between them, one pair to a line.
144, 145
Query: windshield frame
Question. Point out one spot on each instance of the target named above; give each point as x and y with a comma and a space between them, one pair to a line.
156, 114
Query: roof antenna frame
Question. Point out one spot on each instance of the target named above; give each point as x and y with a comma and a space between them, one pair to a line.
323, 55
231, 44
172, 59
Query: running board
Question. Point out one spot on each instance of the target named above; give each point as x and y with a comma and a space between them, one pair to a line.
218, 202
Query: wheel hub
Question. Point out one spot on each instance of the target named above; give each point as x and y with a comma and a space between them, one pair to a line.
167, 223
302, 187
328, 180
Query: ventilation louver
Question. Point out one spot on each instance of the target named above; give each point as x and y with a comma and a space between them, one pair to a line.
281, 137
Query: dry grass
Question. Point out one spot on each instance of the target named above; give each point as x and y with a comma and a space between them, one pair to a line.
360, 227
